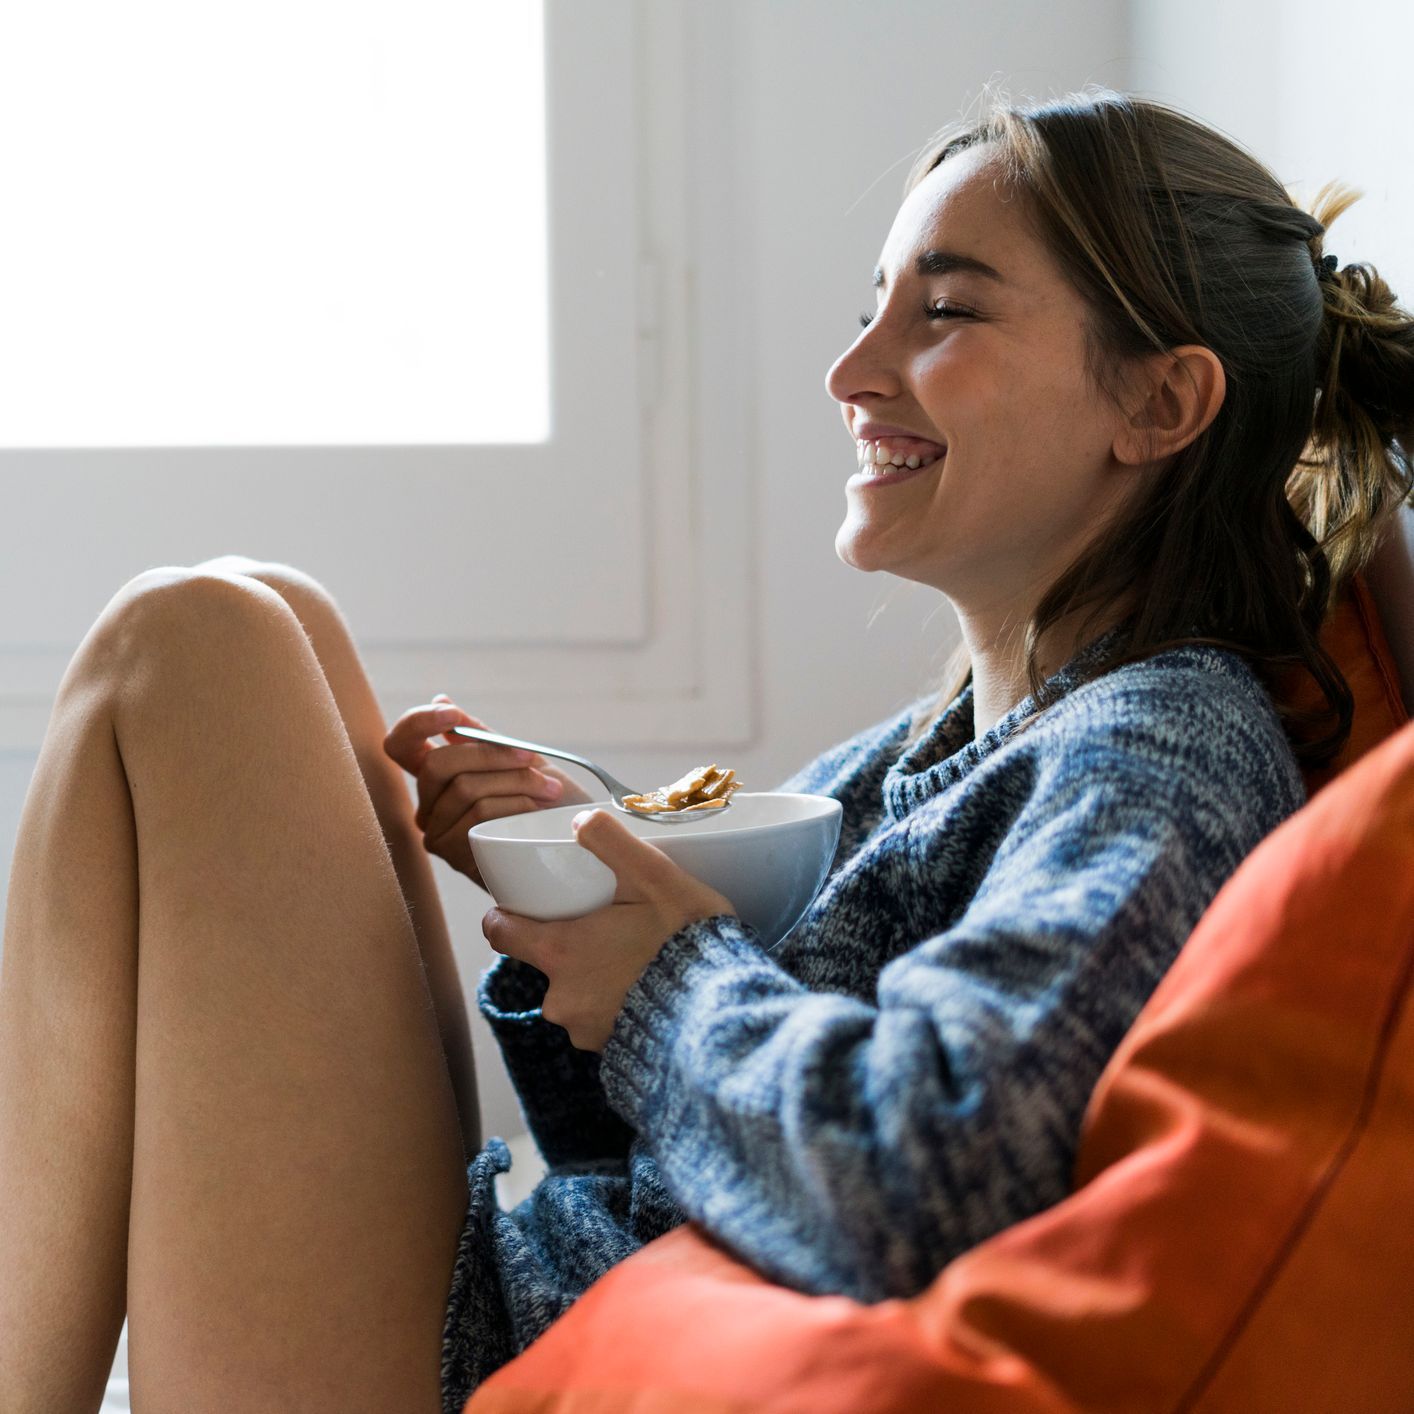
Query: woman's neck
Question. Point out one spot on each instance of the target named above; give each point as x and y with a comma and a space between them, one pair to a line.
997, 649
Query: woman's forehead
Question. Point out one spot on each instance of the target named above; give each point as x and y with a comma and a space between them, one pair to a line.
962, 208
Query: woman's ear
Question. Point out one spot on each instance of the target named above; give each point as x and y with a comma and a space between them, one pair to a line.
1179, 394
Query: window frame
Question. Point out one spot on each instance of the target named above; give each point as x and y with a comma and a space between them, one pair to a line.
593, 587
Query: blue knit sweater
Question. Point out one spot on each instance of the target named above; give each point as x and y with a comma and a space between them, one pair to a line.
905, 1074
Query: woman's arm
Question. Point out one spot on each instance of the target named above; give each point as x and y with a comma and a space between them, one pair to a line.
845, 1145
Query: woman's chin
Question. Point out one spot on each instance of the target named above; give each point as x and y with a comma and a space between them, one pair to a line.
872, 555
846, 552
860, 552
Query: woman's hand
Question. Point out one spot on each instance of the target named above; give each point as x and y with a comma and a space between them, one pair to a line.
593, 961
465, 782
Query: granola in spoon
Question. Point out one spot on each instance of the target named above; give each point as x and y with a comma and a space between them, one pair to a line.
702, 788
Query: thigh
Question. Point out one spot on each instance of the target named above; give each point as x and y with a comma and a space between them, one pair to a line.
333, 643
298, 1176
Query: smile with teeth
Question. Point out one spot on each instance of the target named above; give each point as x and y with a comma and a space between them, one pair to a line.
892, 452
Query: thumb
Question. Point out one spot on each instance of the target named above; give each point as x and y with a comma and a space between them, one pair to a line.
633, 860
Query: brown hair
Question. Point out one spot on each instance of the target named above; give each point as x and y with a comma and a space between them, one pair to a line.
1175, 235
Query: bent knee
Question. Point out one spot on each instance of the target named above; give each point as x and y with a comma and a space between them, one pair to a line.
185, 588
165, 619
270, 572
297, 588
172, 608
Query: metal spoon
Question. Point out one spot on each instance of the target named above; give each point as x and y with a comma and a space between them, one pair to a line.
617, 789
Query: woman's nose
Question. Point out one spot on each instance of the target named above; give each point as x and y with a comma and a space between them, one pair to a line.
865, 367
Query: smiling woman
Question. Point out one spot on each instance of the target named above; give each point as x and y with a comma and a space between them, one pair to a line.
984, 372
1108, 428
1091, 462
985, 360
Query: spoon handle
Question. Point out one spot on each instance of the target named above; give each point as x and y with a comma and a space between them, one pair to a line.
616, 788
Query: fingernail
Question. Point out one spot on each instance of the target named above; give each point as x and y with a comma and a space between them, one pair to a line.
446, 716
551, 786
581, 818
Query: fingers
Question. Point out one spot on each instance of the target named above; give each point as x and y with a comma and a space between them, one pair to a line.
570, 792
469, 765
513, 935
461, 783
507, 934
452, 844
481, 794
406, 742
641, 869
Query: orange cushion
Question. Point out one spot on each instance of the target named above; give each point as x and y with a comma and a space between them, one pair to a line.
1355, 638
1239, 1235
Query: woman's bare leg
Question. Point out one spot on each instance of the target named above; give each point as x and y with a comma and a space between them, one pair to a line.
68, 1004
297, 1174
329, 634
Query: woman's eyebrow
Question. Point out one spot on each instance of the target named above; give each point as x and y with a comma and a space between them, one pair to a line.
947, 262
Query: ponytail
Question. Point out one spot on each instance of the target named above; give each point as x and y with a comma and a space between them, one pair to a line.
1356, 469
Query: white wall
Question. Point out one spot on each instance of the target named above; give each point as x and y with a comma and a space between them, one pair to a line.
829, 102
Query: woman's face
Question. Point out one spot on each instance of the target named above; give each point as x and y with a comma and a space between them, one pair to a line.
997, 380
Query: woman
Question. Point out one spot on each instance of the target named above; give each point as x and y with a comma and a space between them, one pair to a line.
1139, 429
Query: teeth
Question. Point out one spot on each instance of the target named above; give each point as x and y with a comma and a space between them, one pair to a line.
872, 454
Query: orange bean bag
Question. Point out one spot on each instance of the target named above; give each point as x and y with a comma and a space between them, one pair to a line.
1240, 1235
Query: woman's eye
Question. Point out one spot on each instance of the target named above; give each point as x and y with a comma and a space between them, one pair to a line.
941, 310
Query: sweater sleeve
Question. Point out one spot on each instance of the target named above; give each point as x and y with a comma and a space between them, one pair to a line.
855, 1146
558, 1087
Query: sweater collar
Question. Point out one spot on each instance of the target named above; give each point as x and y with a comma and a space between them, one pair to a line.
948, 751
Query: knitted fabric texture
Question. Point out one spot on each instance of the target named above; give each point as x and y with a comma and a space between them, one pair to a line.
905, 1074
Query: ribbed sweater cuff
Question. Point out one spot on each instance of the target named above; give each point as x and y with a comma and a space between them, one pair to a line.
638, 1056
557, 1085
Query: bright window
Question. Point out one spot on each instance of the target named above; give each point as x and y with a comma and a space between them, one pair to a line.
284, 222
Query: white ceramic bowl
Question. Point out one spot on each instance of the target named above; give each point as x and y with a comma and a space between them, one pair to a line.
769, 854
